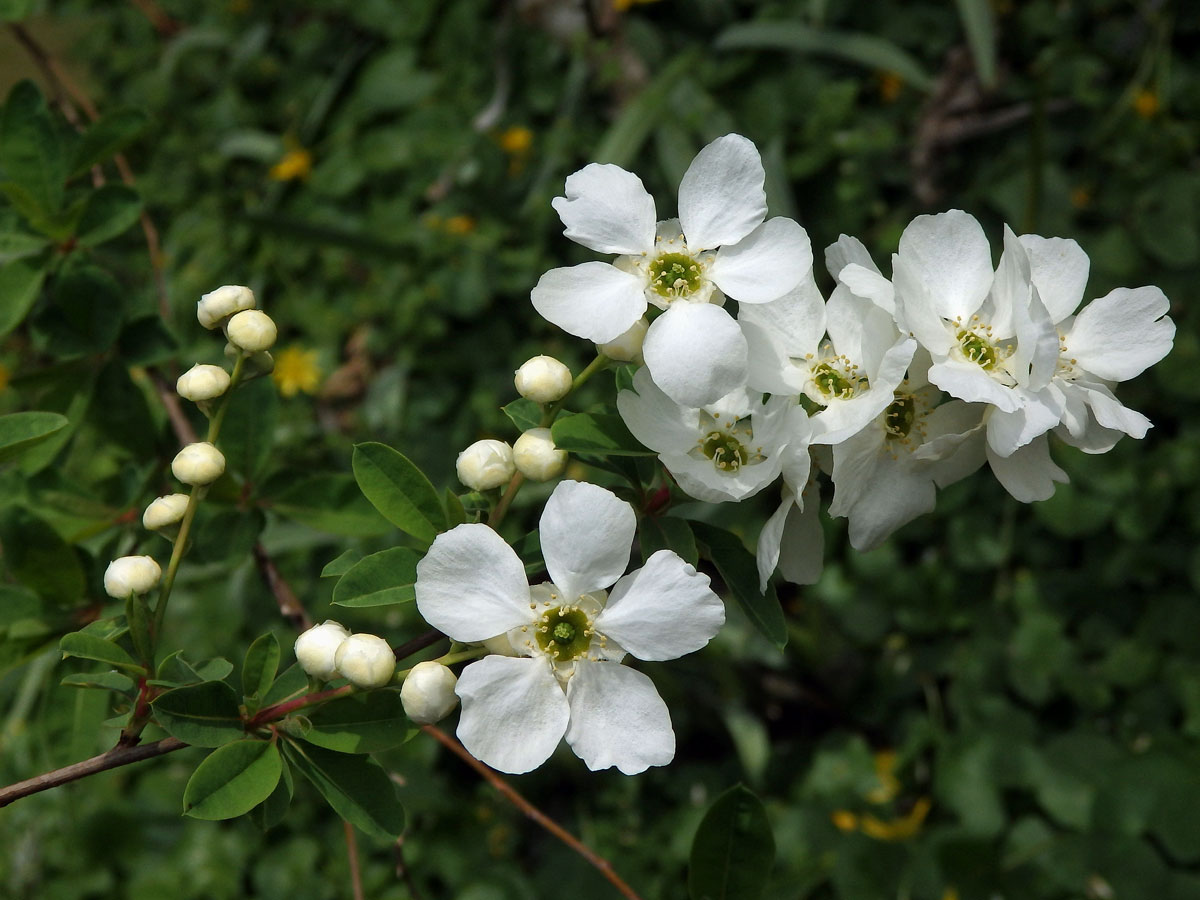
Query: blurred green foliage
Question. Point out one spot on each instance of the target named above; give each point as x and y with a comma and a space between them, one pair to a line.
381, 174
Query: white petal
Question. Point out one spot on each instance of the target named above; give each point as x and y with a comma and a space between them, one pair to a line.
721, 196
1122, 333
662, 610
951, 254
1009, 431
655, 419
764, 265
1059, 269
854, 463
593, 300
770, 368
967, 381
472, 585
1112, 414
618, 719
847, 251
701, 479
513, 712
587, 535
897, 495
870, 285
916, 311
1029, 474
607, 209
796, 321
766, 552
696, 353
1038, 344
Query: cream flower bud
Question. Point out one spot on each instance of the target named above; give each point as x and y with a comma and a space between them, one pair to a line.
252, 331
366, 661
130, 575
316, 649
222, 303
428, 693
627, 346
536, 457
202, 382
543, 379
199, 463
164, 512
261, 363
485, 465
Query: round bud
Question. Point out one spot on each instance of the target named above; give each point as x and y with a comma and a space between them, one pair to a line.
202, 382
164, 512
316, 649
485, 465
130, 575
366, 661
543, 379
252, 331
428, 693
627, 346
218, 305
536, 457
199, 463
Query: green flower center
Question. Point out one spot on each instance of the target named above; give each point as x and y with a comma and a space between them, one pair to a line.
675, 275
727, 452
564, 633
832, 382
978, 350
898, 418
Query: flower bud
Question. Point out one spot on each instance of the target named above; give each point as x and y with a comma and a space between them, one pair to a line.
252, 331
165, 513
543, 379
130, 575
366, 661
202, 383
198, 464
218, 305
428, 693
316, 649
536, 457
627, 346
485, 465
256, 364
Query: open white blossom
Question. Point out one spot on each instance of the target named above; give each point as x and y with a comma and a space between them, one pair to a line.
571, 633
720, 245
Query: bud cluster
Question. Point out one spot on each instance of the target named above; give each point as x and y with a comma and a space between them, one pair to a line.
329, 651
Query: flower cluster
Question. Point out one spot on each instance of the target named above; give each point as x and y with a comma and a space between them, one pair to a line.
329, 651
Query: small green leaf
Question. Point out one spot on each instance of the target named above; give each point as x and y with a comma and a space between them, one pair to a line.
89, 646
523, 413
667, 533
20, 283
596, 433
357, 789
733, 850
325, 502
233, 780
22, 430
31, 147
259, 666
205, 715
456, 514
85, 314
360, 723
292, 683
399, 490
18, 244
106, 138
980, 25
105, 681
271, 811
137, 616
336, 568
737, 566
109, 211
379, 579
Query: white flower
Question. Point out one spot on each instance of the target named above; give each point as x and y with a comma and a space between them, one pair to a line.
252, 331
163, 512
729, 450
316, 649
543, 379
536, 457
485, 465
718, 246
571, 634
428, 693
198, 464
202, 382
131, 575
365, 660
226, 300
792, 539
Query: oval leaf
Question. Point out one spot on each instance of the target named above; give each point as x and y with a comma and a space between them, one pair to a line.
598, 434
733, 850
360, 723
22, 430
260, 665
357, 789
89, 646
233, 780
379, 579
737, 566
205, 715
399, 490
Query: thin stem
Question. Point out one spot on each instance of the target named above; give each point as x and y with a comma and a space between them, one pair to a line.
419, 643
501, 509
214, 427
352, 852
279, 710
448, 660
510, 794
402, 871
289, 604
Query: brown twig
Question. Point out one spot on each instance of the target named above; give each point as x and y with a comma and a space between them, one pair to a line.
352, 852
163, 23
419, 643
510, 794
289, 604
121, 755
402, 870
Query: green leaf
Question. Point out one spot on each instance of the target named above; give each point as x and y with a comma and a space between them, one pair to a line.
259, 666
105, 681
137, 616
271, 811
233, 780
738, 568
18, 244
123, 415
456, 514
17, 603
20, 284
733, 850
205, 715
523, 413
336, 568
357, 789
89, 646
106, 138
980, 25
109, 211
228, 534
85, 312
325, 502
39, 558
146, 341
624, 139
248, 434
596, 433
875, 53
360, 723
399, 490
292, 683
31, 151
379, 579
15, 10
667, 533
22, 430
